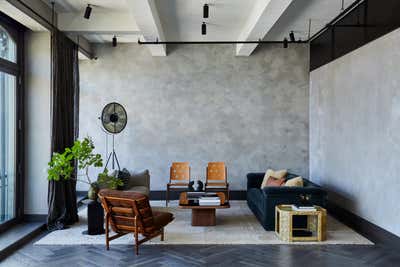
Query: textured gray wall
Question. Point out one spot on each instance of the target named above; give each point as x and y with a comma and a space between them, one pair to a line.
37, 136
355, 131
200, 104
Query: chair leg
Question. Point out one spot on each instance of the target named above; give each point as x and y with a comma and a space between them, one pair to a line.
162, 234
167, 196
107, 235
136, 243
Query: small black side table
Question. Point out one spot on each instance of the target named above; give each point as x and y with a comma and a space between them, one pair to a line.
95, 218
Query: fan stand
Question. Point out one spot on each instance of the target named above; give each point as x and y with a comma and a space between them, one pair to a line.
113, 156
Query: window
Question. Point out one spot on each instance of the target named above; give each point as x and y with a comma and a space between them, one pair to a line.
11, 138
8, 48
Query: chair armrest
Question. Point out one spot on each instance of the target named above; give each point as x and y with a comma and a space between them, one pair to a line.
254, 179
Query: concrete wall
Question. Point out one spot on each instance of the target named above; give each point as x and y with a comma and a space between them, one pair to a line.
201, 104
355, 131
37, 127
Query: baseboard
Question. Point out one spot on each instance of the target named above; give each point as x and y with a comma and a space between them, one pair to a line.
371, 231
35, 218
160, 195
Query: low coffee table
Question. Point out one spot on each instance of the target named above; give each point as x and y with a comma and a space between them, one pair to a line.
202, 215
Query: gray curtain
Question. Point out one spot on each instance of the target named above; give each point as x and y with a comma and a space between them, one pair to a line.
65, 113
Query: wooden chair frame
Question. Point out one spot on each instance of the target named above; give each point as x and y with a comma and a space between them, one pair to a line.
124, 229
171, 185
225, 184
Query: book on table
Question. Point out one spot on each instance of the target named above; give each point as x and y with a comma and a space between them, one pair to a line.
209, 201
303, 208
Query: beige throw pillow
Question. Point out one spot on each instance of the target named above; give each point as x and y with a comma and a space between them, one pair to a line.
275, 174
298, 181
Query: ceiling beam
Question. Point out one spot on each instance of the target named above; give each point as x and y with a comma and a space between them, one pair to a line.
147, 19
263, 17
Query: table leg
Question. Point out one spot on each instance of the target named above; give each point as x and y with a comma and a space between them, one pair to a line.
203, 217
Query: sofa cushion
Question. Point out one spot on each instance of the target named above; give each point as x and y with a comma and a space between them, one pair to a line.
161, 219
275, 182
275, 174
141, 178
298, 181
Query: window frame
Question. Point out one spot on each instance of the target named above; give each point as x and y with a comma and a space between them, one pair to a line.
16, 31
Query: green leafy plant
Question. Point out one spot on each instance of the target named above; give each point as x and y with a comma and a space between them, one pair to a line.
109, 181
61, 165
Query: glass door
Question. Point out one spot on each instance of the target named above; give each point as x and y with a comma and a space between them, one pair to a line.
7, 146
11, 122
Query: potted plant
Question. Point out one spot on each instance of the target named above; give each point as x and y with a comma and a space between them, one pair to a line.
61, 166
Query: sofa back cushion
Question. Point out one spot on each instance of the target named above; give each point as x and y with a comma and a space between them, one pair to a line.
271, 181
297, 181
274, 174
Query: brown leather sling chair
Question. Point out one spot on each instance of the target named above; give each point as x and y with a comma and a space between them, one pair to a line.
130, 212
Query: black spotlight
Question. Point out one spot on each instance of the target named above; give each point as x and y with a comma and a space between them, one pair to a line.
285, 43
88, 11
205, 11
114, 41
204, 28
291, 36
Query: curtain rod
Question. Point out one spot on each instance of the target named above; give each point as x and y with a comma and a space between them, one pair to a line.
221, 42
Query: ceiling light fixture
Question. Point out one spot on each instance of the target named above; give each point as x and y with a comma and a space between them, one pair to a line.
285, 43
204, 28
205, 11
291, 36
88, 11
114, 41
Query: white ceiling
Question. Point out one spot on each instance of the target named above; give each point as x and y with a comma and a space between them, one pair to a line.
296, 17
80, 5
180, 20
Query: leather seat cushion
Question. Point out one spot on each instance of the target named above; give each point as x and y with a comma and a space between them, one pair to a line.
161, 219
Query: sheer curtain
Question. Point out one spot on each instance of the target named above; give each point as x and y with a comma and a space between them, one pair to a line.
65, 113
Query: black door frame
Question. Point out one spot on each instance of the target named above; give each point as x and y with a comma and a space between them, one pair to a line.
16, 30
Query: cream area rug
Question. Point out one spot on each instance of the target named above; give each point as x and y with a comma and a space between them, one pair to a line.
236, 225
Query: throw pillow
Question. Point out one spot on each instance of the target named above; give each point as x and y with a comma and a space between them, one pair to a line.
271, 181
275, 174
298, 181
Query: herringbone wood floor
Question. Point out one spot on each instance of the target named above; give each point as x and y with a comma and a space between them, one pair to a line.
209, 255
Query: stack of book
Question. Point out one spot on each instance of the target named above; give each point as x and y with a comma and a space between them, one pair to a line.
209, 201
303, 208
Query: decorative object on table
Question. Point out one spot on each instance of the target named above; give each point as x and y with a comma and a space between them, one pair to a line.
61, 165
198, 186
287, 231
130, 212
217, 178
114, 120
203, 215
179, 178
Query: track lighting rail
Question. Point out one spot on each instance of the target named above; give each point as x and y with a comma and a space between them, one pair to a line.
219, 42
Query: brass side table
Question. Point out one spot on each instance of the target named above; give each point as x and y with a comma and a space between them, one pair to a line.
316, 223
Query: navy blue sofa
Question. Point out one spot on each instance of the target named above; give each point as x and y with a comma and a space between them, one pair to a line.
262, 202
